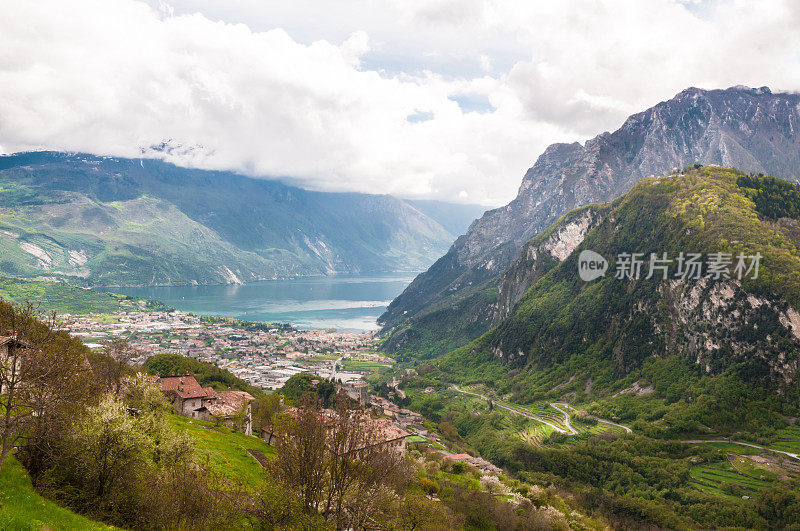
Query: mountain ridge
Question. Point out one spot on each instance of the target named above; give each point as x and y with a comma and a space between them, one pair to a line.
752, 129
110, 221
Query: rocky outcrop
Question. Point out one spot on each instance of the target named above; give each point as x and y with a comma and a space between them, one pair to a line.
716, 322
540, 254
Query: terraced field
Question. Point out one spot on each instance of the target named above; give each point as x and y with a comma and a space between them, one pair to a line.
738, 476
552, 420
788, 440
544, 411
535, 433
597, 428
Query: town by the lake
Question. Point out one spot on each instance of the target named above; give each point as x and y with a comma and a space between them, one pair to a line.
265, 355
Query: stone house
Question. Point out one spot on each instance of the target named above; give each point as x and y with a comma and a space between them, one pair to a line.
227, 407
204, 403
389, 435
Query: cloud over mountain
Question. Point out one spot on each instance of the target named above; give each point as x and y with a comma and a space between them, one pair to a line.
329, 106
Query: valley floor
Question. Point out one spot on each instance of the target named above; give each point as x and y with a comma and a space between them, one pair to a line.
715, 481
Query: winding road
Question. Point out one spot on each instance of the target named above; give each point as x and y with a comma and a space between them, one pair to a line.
558, 407
567, 422
566, 414
703, 441
598, 419
513, 410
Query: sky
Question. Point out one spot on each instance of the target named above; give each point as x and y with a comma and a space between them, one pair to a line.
442, 99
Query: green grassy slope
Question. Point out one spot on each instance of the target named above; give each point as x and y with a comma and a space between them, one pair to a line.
225, 449
22, 509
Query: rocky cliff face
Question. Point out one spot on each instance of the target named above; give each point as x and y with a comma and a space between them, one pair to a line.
541, 254
747, 326
735, 314
752, 129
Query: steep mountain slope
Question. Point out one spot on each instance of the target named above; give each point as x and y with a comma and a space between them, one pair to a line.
681, 337
454, 322
109, 221
752, 129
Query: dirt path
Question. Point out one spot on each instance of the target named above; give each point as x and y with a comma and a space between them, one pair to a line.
258, 456
703, 441
513, 410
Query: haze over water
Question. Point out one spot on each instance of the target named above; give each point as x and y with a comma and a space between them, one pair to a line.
344, 302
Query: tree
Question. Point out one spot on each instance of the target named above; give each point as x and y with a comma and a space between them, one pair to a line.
417, 512
114, 364
301, 461
359, 465
299, 385
263, 409
336, 461
112, 447
44, 377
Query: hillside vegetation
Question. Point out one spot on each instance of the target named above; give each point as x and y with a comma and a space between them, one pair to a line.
23, 509
446, 325
59, 297
676, 359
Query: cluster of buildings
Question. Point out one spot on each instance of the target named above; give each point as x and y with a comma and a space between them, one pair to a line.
263, 355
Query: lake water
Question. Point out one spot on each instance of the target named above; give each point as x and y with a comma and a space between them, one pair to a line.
344, 302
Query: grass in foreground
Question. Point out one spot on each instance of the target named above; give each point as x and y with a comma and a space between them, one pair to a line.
225, 449
22, 509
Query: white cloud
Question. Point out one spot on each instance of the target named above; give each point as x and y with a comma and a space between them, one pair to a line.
321, 92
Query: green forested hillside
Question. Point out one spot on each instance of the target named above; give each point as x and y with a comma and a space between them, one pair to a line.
720, 354
448, 324
59, 297
109, 221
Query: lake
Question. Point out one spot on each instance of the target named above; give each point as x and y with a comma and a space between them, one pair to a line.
344, 302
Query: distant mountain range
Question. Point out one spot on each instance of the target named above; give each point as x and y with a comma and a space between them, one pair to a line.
104, 221
456, 299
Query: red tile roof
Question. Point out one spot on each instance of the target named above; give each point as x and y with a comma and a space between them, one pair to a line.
458, 457
185, 386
